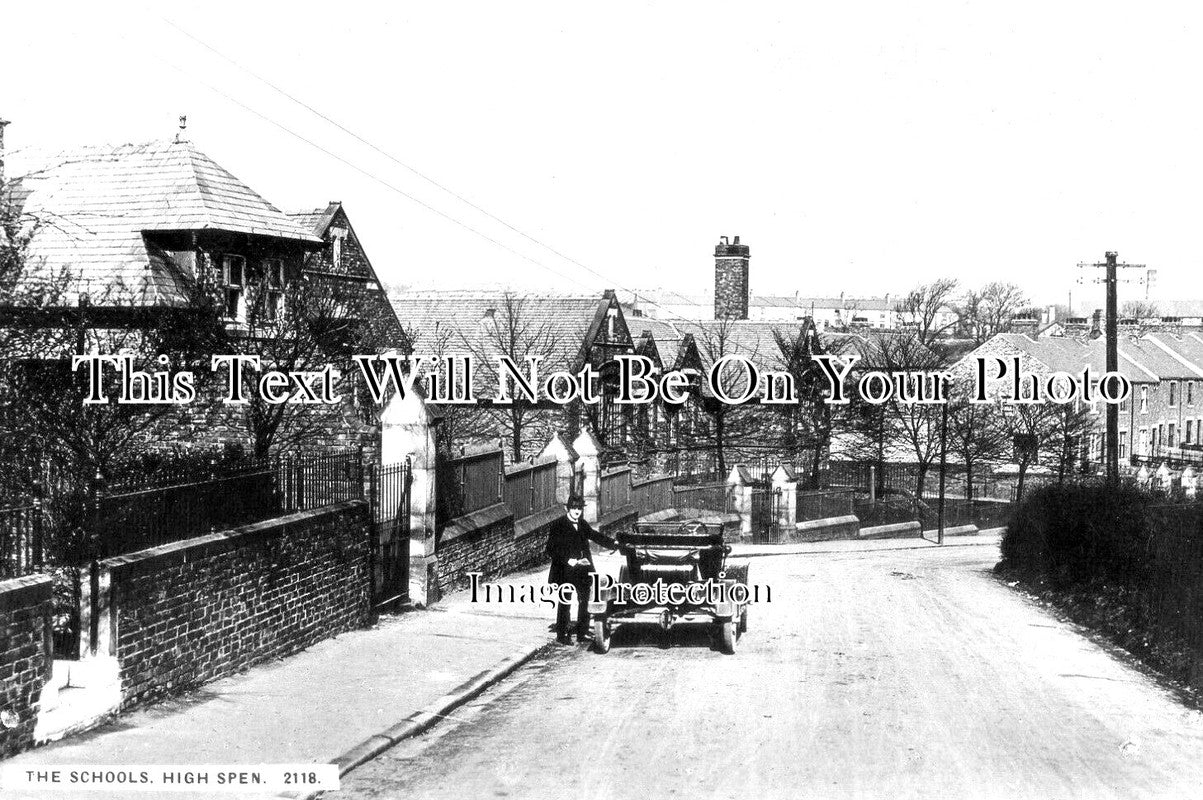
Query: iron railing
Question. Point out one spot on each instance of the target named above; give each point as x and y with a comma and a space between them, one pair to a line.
21, 543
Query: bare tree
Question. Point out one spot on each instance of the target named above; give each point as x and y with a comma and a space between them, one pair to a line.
808, 424
976, 433
1046, 433
515, 331
1139, 309
988, 311
731, 428
922, 306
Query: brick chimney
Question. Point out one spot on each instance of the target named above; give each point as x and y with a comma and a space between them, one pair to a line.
731, 279
3, 122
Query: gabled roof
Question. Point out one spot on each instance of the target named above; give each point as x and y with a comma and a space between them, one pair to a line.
316, 220
467, 321
755, 341
95, 205
1140, 360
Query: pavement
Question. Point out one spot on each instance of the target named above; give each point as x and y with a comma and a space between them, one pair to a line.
348, 698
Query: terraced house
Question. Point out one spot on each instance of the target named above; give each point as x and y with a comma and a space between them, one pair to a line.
1160, 422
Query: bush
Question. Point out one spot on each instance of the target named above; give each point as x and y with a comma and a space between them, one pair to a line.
1075, 534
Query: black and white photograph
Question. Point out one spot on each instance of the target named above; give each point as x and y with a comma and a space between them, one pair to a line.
639, 400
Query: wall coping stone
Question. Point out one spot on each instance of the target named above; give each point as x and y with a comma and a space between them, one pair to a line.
475, 521
16, 592
540, 519
617, 515
829, 522
527, 466
912, 528
958, 530
178, 552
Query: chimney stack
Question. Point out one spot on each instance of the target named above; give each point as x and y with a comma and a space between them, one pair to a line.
1028, 326
731, 279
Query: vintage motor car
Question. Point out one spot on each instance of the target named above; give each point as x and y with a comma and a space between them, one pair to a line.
675, 572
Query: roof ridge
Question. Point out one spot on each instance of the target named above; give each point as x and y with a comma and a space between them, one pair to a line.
194, 187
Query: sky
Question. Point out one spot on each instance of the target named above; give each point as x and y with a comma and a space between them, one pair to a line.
856, 147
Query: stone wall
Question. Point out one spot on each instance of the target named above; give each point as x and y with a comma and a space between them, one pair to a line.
186, 613
26, 612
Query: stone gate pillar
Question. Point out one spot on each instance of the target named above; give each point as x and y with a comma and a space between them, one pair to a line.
785, 482
740, 486
588, 452
407, 431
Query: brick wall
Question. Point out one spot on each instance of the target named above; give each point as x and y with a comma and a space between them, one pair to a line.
25, 617
489, 541
193, 611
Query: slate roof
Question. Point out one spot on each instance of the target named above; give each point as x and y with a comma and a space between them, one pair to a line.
1141, 360
1180, 308
752, 339
465, 321
96, 204
317, 220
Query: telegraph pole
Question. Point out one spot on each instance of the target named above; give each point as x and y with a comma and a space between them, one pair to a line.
1111, 280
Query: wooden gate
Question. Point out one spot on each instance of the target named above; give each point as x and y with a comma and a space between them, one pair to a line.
389, 493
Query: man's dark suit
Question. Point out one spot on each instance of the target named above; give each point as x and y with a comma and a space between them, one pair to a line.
565, 541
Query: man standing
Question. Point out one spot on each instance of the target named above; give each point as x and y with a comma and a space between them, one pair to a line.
572, 562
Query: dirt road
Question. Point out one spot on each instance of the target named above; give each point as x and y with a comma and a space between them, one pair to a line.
908, 673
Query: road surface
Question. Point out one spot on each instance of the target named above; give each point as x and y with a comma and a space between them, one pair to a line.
886, 673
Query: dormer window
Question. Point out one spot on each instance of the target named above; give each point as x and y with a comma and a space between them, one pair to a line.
233, 279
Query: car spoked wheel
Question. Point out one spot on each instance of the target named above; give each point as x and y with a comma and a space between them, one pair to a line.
727, 636
601, 636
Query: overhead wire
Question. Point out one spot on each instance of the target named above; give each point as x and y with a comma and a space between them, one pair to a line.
671, 316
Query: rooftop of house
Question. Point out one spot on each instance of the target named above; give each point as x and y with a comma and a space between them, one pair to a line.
316, 220
1149, 358
550, 325
754, 340
91, 209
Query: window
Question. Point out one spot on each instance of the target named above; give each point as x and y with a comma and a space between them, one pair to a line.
1186, 439
1144, 399
233, 278
1190, 393
1169, 438
1143, 444
1123, 445
1173, 391
271, 291
337, 235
